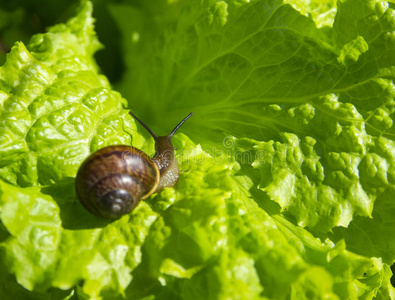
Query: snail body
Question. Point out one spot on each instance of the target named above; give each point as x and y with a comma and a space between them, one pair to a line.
112, 181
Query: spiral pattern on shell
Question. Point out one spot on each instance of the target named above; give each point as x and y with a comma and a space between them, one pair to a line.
112, 181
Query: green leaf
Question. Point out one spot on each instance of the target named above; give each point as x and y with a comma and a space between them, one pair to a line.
42, 253
287, 166
306, 101
324, 104
56, 108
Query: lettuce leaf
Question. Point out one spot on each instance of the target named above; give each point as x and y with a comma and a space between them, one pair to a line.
279, 79
287, 167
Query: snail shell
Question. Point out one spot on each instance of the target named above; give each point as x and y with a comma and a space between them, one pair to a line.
112, 181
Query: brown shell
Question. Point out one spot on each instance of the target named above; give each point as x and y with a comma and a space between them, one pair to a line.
113, 169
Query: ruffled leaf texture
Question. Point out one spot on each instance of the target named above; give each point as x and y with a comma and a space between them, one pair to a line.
287, 165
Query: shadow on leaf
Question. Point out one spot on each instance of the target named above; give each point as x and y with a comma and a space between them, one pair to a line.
72, 214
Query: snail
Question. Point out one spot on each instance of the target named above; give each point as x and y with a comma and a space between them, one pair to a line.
113, 180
